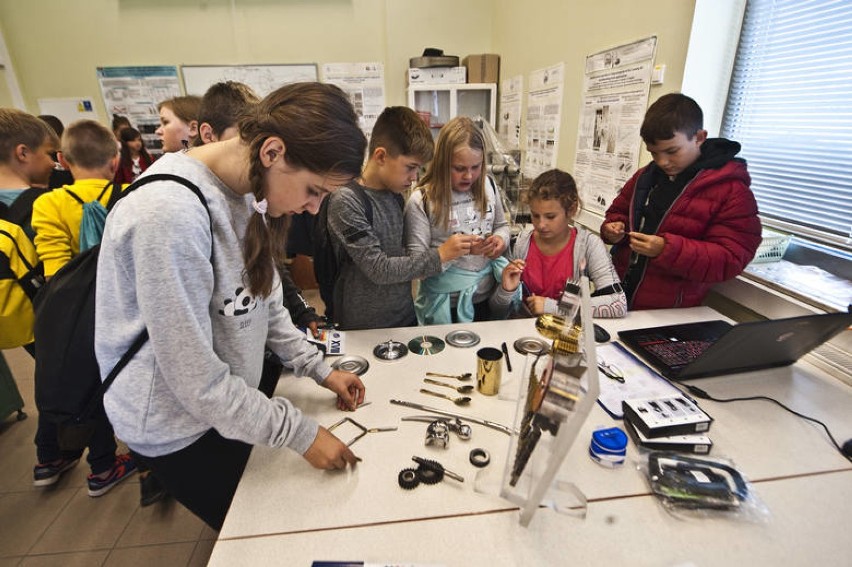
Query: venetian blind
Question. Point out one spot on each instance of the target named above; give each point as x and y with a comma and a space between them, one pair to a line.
790, 106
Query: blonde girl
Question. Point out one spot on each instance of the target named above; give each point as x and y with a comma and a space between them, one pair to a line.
456, 197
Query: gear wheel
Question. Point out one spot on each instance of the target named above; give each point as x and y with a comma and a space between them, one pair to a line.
408, 478
430, 472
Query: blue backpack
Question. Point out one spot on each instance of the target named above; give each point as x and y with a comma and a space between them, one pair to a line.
94, 218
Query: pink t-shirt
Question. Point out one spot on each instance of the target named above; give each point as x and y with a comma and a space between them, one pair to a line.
546, 275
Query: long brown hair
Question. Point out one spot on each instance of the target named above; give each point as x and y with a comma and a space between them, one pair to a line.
437, 182
317, 123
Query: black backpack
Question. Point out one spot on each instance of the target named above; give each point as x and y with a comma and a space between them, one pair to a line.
326, 265
68, 387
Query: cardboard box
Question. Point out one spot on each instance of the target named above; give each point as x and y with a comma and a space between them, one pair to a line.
484, 68
436, 75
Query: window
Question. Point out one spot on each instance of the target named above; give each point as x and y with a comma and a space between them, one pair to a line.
790, 107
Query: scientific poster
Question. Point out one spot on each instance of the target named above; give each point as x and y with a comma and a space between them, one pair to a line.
365, 85
544, 115
615, 97
511, 100
134, 92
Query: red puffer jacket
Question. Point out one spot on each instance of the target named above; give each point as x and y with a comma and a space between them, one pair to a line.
711, 231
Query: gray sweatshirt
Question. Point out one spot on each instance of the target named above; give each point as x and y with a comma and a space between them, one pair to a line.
421, 234
373, 290
160, 268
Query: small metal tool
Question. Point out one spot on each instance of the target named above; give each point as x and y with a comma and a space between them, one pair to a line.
493, 425
461, 429
364, 430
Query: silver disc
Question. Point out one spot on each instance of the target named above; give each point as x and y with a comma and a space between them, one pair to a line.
531, 345
462, 338
390, 350
351, 363
426, 344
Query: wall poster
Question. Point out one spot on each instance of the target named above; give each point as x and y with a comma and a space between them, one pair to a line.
615, 97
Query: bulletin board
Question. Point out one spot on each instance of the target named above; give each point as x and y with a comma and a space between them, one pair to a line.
263, 79
68, 110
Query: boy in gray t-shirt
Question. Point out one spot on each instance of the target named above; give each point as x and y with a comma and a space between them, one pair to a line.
373, 289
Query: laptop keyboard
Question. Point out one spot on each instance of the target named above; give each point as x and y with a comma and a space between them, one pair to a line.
676, 353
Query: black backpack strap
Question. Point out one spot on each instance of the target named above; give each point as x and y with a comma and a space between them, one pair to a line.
140, 341
97, 399
18, 248
76, 196
103, 191
176, 179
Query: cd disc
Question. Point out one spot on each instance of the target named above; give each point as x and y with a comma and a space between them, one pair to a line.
351, 363
390, 350
531, 345
426, 344
462, 338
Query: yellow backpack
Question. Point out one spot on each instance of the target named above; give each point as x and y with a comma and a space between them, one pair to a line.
21, 276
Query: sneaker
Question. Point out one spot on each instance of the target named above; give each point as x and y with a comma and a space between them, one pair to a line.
49, 473
151, 490
124, 467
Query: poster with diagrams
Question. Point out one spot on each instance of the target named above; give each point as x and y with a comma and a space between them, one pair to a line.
365, 85
615, 96
134, 92
263, 79
511, 101
544, 115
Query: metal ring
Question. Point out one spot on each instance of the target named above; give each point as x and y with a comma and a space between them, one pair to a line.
479, 458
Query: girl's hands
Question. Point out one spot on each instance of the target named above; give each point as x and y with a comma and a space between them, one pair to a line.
535, 303
455, 246
328, 452
491, 247
348, 387
511, 277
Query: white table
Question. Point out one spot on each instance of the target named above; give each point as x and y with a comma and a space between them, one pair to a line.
283, 506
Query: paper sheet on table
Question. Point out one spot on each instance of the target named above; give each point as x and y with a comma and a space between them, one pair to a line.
639, 380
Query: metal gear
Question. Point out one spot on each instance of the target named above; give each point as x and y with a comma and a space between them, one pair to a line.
430, 472
408, 478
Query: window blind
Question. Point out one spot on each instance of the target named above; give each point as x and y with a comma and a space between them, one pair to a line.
790, 106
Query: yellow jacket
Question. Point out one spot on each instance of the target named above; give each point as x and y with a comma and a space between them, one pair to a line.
56, 221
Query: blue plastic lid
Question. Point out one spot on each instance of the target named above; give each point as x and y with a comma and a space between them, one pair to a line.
612, 440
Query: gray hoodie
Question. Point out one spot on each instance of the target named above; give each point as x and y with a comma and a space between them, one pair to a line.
160, 268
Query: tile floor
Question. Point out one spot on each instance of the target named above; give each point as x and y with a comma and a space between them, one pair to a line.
61, 525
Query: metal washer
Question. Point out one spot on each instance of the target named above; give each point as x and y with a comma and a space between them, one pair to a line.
462, 338
390, 350
351, 363
531, 345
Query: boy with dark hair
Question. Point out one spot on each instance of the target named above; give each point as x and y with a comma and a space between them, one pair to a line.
90, 152
373, 289
686, 221
220, 110
26, 148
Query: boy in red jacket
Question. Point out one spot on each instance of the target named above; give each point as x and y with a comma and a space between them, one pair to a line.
688, 219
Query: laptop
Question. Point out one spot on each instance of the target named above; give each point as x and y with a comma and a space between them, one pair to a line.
713, 348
